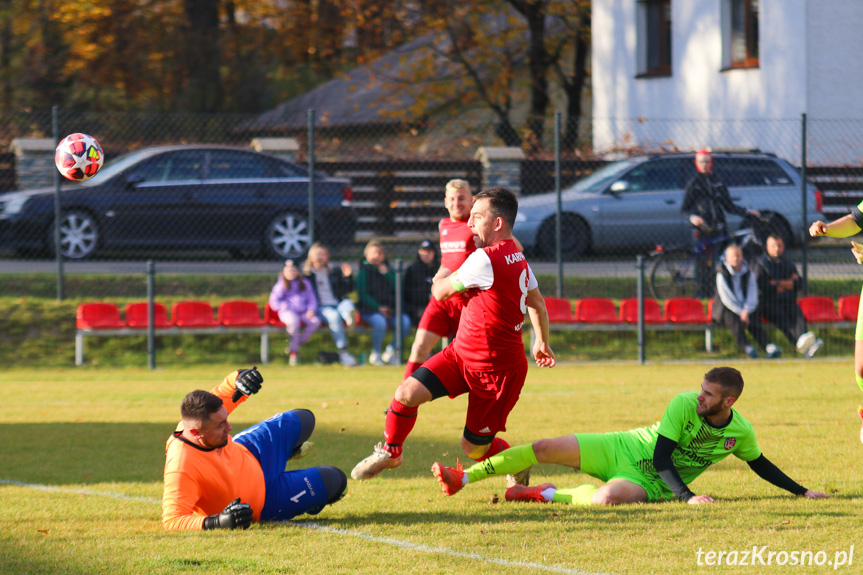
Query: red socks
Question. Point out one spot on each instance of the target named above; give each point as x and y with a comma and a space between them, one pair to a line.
497, 445
400, 421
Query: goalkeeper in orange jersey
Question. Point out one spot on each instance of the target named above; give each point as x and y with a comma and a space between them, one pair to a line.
214, 481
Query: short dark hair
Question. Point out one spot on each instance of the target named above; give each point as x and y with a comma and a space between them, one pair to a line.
728, 378
776, 236
199, 405
502, 203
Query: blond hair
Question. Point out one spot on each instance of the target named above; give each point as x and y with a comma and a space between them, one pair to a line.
458, 185
309, 265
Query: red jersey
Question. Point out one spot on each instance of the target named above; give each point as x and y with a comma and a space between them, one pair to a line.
456, 243
497, 279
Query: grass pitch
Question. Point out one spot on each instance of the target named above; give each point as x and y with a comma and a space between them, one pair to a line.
83, 451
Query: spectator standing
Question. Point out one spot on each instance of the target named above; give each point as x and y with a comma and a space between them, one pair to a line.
293, 299
418, 280
705, 203
778, 284
736, 301
332, 286
376, 292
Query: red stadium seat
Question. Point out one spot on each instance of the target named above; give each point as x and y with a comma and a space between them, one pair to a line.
271, 316
559, 310
136, 315
685, 310
629, 310
596, 310
848, 306
99, 316
193, 314
240, 313
818, 308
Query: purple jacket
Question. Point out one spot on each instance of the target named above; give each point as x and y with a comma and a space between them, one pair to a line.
293, 299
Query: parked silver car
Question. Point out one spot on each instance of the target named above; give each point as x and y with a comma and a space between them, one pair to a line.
635, 203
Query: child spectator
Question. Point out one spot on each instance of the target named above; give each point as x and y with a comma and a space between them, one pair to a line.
293, 299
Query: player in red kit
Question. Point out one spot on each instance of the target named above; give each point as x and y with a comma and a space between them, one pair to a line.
440, 318
486, 360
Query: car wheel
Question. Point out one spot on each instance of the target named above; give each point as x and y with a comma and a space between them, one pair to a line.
288, 236
574, 237
79, 236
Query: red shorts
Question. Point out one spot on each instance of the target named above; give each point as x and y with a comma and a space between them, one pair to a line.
442, 317
491, 394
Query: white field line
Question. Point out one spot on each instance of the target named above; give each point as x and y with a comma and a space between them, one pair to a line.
335, 531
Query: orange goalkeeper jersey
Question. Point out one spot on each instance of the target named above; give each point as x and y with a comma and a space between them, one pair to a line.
201, 482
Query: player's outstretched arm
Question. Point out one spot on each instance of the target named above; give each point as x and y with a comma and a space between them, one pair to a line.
542, 352
766, 470
841, 228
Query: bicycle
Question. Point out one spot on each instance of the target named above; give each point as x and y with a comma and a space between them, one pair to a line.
674, 269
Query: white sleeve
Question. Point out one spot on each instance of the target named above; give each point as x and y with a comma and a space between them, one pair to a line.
476, 271
531, 279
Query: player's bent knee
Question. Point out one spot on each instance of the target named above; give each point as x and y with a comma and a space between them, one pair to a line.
335, 482
307, 422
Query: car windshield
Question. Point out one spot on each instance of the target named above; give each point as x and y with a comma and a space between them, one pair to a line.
595, 182
115, 167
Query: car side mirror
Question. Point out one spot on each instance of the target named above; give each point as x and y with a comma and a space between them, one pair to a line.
134, 179
619, 187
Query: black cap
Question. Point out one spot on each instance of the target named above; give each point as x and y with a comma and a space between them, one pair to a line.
426, 245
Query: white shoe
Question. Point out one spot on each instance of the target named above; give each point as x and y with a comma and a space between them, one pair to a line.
813, 348
805, 341
387, 355
293, 360
346, 358
375, 463
773, 351
375, 359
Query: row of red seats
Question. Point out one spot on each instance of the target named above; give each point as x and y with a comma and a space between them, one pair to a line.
682, 310
235, 313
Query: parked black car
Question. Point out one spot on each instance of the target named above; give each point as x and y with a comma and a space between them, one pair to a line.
201, 197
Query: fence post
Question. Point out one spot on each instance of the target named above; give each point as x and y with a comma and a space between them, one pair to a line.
639, 291
311, 176
55, 126
558, 229
151, 314
804, 232
397, 344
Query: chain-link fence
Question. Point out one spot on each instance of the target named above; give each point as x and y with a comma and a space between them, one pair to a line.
232, 194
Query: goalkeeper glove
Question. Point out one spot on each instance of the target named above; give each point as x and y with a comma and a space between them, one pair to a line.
235, 515
248, 382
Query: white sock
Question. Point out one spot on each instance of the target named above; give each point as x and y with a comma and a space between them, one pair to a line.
548, 494
465, 479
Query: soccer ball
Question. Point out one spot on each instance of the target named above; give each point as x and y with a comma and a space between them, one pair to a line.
79, 157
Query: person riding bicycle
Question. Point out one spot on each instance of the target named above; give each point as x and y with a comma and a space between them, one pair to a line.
704, 204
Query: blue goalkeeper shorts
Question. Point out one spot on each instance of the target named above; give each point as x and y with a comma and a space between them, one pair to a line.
288, 493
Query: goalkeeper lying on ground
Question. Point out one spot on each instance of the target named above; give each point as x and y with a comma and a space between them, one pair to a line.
645, 464
215, 481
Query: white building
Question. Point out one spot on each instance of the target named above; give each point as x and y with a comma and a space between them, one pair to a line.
688, 74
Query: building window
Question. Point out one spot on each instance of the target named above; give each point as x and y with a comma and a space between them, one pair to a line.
654, 38
740, 34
